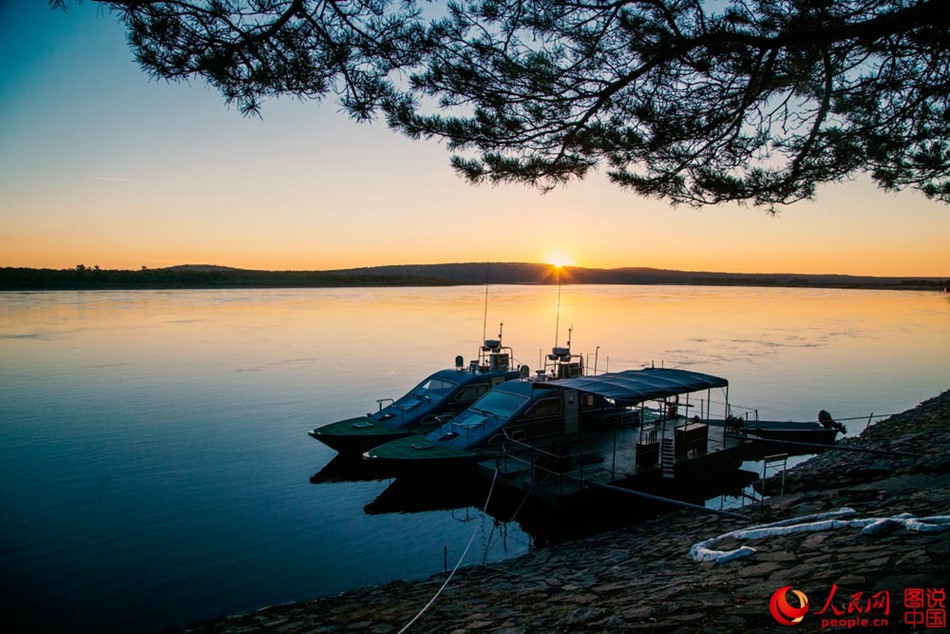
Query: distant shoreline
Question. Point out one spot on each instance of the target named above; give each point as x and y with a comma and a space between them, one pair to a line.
409, 275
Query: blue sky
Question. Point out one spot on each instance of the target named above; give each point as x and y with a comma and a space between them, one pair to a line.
101, 165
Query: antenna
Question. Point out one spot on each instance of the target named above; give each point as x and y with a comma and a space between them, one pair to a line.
557, 319
485, 318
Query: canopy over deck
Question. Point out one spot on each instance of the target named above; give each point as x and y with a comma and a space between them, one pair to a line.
635, 386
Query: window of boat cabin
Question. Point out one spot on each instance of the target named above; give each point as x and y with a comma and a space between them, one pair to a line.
544, 407
472, 392
499, 403
434, 388
543, 418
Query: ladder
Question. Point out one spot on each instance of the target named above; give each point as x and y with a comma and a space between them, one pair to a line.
667, 457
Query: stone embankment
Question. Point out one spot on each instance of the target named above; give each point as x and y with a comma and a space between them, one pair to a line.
641, 578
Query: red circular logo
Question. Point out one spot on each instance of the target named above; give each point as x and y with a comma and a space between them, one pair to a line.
785, 613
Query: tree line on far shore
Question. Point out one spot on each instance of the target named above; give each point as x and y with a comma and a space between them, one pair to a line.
83, 277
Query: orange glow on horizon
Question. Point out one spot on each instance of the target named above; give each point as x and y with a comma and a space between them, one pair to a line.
559, 260
31, 255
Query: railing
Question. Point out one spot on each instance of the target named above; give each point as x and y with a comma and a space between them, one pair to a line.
771, 463
537, 453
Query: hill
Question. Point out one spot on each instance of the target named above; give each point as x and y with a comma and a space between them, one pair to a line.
215, 276
525, 273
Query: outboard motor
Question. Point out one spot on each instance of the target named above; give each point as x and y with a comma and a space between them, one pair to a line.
734, 423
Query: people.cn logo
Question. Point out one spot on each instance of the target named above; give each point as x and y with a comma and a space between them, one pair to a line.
785, 613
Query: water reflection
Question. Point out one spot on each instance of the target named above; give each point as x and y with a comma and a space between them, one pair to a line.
596, 510
347, 467
417, 495
153, 448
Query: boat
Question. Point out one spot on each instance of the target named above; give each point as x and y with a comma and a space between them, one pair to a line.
823, 431
547, 415
677, 444
434, 400
523, 411
642, 433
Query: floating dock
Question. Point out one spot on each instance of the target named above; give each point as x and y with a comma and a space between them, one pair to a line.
659, 456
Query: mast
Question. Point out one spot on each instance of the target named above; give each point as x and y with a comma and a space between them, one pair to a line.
557, 319
485, 317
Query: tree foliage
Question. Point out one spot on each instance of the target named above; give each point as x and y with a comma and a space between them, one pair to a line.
694, 101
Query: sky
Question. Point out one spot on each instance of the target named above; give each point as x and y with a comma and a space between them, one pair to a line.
101, 165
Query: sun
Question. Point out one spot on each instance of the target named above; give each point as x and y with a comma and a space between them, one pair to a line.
559, 260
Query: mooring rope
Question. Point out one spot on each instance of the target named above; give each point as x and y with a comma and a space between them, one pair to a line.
457, 564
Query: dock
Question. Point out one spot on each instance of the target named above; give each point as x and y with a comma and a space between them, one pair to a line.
653, 457
639, 578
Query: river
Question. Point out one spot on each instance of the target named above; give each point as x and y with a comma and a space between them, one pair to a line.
154, 462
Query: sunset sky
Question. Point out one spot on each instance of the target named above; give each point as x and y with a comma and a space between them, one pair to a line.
103, 166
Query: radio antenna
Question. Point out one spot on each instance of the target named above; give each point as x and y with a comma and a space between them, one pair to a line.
557, 319
485, 318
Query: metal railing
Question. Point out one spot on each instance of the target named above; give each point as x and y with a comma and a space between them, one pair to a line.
536, 453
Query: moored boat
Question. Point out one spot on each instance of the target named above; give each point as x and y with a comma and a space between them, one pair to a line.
536, 414
823, 431
437, 398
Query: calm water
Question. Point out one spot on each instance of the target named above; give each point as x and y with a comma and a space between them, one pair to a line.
154, 462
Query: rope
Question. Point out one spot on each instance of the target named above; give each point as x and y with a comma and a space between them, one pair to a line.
657, 498
752, 409
457, 564
838, 447
866, 417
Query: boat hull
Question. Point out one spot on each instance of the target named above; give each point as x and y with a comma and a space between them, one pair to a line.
356, 435
814, 437
417, 454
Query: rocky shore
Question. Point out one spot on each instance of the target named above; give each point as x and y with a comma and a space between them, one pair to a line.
642, 578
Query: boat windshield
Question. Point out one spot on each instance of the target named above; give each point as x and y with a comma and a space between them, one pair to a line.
433, 389
498, 403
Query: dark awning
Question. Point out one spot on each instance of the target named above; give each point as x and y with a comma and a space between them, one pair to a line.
635, 386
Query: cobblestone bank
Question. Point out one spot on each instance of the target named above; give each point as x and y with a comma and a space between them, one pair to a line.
641, 578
